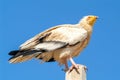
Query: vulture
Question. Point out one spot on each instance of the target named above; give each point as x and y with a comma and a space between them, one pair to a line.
59, 43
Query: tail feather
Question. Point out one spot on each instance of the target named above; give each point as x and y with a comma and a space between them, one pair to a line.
12, 53
46, 57
20, 56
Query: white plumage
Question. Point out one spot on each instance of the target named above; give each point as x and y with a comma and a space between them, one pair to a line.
59, 43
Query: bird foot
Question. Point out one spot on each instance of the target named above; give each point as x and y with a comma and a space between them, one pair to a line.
76, 66
65, 70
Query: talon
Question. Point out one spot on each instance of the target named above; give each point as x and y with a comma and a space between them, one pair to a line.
76, 66
65, 70
85, 68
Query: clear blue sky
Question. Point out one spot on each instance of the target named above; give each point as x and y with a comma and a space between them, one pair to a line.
22, 19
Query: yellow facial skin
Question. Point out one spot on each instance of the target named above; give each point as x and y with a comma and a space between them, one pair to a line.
91, 20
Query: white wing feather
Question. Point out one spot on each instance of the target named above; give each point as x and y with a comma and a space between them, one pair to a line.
69, 34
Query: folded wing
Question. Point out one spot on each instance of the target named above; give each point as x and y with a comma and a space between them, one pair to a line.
50, 40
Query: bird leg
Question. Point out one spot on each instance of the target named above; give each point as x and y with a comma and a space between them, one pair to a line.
74, 65
66, 66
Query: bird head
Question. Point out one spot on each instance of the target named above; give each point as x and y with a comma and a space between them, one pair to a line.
90, 19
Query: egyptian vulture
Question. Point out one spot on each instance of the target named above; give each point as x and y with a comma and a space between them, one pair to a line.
60, 43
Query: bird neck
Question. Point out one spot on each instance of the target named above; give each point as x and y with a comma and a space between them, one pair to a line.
86, 26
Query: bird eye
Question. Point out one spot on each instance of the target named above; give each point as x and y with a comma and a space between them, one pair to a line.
89, 17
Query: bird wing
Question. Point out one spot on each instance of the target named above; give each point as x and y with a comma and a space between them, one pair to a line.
49, 40
55, 38
36, 39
